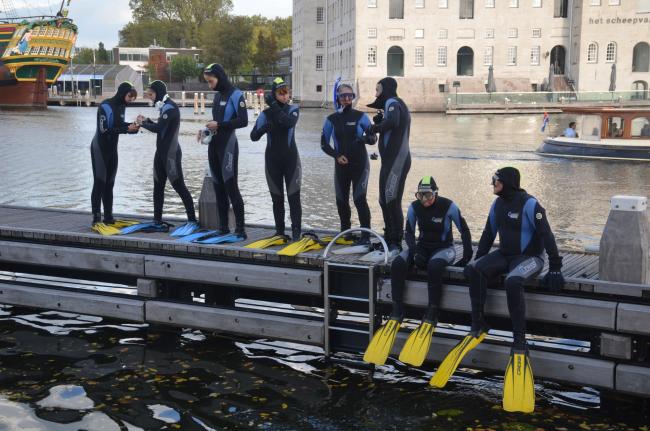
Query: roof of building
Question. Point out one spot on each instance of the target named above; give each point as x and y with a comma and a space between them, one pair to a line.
82, 72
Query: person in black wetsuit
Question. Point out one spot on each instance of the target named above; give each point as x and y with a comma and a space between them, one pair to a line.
282, 161
103, 149
434, 248
524, 233
228, 114
350, 130
167, 160
393, 123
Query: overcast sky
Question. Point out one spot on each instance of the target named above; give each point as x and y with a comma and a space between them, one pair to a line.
100, 20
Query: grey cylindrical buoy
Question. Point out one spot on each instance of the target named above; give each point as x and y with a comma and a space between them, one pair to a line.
625, 244
208, 214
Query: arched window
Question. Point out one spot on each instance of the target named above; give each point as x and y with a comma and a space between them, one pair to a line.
465, 61
640, 89
641, 57
592, 53
395, 61
611, 52
396, 9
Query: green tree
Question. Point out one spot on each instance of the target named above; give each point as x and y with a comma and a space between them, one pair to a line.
183, 67
228, 41
266, 52
144, 33
101, 56
85, 56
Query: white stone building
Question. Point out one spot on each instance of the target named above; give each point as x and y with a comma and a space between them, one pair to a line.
429, 45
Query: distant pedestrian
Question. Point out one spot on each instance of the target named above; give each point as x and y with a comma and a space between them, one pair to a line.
570, 132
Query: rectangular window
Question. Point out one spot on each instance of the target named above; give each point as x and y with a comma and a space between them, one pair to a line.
514, 3
537, 3
443, 4
319, 62
489, 3
372, 56
372, 3
537, 32
442, 33
489, 33
560, 9
419, 56
592, 53
534, 55
512, 56
419, 4
419, 33
594, 2
396, 10
488, 55
372, 33
319, 44
512, 32
611, 52
466, 9
614, 2
320, 14
442, 56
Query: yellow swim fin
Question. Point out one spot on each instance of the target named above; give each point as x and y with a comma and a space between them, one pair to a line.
340, 241
518, 384
123, 223
417, 345
453, 359
382, 343
269, 242
105, 229
308, 242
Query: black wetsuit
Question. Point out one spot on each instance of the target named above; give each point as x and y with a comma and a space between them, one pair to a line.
348, 129
167, 160
229, 110
394, 130
433, 250
282, 161
524, 233
103, 152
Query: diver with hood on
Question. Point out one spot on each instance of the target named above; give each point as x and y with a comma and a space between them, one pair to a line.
524, 234
393, 123
166, 163
103, 153
282, 161
229, 113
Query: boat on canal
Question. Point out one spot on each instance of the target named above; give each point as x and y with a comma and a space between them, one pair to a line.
604, 133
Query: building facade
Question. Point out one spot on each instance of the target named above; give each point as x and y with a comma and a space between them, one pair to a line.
158, 57
434, 47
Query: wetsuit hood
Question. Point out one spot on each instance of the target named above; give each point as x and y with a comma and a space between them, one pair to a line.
511, 180
159, 88
219, 72
123, 89
388, 90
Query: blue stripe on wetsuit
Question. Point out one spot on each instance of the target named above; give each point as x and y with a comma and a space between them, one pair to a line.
389, 132
109, 115
328, 133
232, 106
528, 223
453, 214
292, 131
362, 125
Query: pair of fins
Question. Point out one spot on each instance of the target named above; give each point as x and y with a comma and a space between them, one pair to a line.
216, 238
148, 227
308, 242
269, 242
186, 229
114, 228
415, 349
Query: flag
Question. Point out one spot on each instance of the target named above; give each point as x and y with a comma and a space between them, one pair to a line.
545, 121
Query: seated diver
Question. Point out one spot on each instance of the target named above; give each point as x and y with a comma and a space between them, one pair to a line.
434, 251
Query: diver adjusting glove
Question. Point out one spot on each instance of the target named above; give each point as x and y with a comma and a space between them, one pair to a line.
270, 99
554, 281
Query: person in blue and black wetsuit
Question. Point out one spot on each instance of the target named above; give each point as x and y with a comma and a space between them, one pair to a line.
434, 248
524, 234
103, 149
349, 129
278, 122
167, 160
229, 113
393, 123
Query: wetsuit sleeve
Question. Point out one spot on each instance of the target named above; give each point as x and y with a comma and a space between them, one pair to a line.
241, 117
150, 125
544, 229
462, 227
391, 118
325, 138
283, 118
489, 234
106, 121
409, 229
364, 131
260, 128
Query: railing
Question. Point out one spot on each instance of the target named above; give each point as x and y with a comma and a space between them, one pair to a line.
547, 97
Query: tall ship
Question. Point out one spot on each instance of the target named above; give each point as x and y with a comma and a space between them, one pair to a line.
34, 51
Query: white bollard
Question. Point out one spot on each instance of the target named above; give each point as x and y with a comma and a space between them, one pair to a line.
196, 103
202, 103
183, 99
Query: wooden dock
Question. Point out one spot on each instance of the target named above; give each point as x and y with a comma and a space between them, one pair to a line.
335, 303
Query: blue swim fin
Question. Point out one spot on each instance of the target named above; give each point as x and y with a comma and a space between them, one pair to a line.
146, 227
197, 235
222, 239
186, 229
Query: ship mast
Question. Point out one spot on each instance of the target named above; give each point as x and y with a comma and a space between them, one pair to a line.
7, 7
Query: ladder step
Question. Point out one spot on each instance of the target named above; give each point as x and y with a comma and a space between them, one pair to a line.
348, 298
338, 328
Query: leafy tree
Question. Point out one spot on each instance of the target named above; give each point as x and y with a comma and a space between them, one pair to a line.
228, 41
266, 52
144, 33
183, 67
85, 56
101, 56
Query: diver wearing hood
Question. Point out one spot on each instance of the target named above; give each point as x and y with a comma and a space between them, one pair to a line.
167, 160
229, 113
103, 149
282, 161
350, 130
524, 233
393, 126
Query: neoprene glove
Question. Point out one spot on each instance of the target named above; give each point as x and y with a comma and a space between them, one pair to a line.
378, 118
268, 127
554, 281
270, 99
464, 261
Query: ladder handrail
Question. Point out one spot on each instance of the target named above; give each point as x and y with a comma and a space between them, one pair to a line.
358, 229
